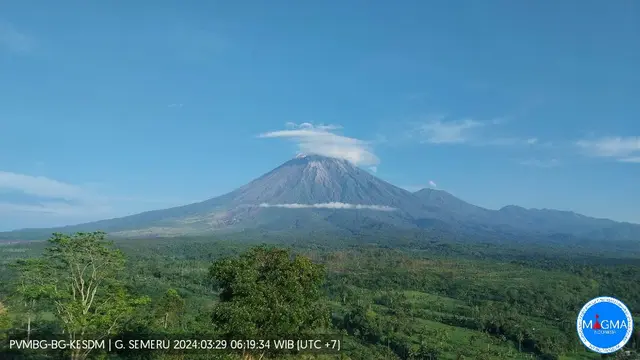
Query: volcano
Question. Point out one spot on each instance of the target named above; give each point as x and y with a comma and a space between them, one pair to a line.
307, 192
318, 193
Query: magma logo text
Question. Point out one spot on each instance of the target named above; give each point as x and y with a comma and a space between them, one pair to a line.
604, 325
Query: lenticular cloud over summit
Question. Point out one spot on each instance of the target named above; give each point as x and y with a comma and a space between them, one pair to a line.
320, 140
331, 205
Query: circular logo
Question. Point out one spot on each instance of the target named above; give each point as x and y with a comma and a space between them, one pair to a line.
604, 325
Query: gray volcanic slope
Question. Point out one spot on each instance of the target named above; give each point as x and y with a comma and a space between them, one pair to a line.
315, 179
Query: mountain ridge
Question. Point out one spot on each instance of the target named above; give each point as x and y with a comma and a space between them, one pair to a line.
314, 192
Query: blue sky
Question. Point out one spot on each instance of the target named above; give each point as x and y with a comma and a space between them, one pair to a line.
112, 108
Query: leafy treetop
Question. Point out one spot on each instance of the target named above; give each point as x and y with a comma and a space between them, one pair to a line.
268, 293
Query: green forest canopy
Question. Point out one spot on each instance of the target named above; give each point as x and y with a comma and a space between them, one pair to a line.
436, 300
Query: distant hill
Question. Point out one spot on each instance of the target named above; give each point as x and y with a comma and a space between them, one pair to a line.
442, 201
531, 221
317, 193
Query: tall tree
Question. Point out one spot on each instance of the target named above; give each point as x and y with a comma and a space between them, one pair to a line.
170, 307
31, 287
268, 293
83, 283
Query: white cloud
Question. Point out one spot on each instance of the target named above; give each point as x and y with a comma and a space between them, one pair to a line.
38, 200
433, 184
331, 205
500, 120
505, 141
540, 163
621, 148
40, 186
306, 125
13, 40
634, 159
57, 209
175, 105
318, 139
468, 131
437, 131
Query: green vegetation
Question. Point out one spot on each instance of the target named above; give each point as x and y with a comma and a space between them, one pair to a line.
264, 294
4, 321
392, 298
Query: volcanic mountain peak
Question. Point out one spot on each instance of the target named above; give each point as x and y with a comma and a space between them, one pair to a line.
312, 192
315, 158
301, 155
315, 179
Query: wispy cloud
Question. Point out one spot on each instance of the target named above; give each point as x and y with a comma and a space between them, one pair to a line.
331, 205
623, 149
40, 186
57, 209
634, 159
506, 141
322, 140
310, 126
438, 130
541, 163
13, 40
175, 105
38, 200
433, 184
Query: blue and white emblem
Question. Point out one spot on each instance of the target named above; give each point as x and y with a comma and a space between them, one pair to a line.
604, 325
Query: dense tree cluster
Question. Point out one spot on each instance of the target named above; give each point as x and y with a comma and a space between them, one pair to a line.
409, 301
